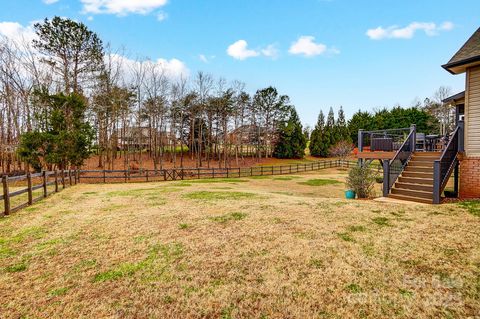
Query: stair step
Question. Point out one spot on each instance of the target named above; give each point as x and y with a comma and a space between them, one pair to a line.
423, 159
412, 193
414, 180
417, 174
419, 169
427, 154
420, 164
419, 187
411, 199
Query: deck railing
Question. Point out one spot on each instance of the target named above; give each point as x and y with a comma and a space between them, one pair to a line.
382, 140
444, 166
394, 167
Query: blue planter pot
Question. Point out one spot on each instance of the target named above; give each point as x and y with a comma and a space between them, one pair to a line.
349, 194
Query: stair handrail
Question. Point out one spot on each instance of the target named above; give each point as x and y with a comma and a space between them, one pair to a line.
407, 148
443, 167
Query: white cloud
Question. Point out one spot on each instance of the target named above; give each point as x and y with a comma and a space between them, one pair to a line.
17, 32
161, 16
396, 32
49, 1
121, 7
306, 46
270, 51
206, 59
239, 50
172, 68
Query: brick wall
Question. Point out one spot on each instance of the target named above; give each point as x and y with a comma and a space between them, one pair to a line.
470, 177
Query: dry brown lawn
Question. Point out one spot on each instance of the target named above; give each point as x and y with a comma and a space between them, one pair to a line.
276, 247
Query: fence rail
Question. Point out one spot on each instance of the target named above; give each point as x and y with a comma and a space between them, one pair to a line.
49, 182
30, 184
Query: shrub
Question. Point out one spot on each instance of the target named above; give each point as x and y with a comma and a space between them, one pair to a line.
342, 149
361, 179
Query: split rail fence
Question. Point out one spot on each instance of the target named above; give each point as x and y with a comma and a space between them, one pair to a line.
39, 185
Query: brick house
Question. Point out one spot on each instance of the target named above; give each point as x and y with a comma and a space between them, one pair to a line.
467, 61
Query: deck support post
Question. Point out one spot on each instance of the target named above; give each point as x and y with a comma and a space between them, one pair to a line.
360, 145
386, 178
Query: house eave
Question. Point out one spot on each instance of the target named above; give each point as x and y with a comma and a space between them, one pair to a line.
461, 66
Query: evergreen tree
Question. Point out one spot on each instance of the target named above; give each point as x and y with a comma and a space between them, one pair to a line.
329, 137
317, 135
291, 141
342, 133
73, 52
64, 136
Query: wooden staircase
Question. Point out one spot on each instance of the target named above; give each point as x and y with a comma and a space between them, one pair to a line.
416, 181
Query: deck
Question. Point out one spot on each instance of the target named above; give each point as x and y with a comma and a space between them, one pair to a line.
375, 155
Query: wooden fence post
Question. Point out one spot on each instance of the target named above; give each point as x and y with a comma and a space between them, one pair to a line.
228, 173
164, 174
6, 195
78, 176
63, 178
198, 173
70, 177
55, 175
146, 175
104, 176
239, 173
29, 186
44, 183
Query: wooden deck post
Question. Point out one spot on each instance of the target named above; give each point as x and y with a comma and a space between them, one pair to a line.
6, 195
386, 178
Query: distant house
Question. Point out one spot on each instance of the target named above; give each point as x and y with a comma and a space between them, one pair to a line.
139, 138
467, 61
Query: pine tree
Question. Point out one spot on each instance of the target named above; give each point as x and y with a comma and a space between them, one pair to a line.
291, 141
317, 135
329, 137
342, 133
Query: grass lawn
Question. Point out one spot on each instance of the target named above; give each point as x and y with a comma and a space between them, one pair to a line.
272, 247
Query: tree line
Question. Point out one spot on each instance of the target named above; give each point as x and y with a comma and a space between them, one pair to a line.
66, 95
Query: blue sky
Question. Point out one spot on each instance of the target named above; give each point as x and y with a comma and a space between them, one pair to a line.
319, 52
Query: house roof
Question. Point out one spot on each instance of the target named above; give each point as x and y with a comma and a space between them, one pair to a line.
454, 98
468, 55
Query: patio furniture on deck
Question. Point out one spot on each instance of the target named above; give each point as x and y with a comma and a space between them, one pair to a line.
432, 141
384, 144
420, 142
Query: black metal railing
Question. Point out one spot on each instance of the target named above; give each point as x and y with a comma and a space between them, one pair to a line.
382, 140
394, 167
443, 167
